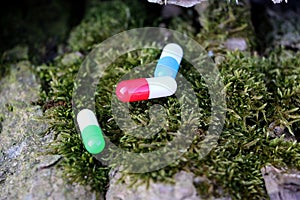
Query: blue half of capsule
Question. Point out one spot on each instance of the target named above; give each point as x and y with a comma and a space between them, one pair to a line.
169, 61
166, 66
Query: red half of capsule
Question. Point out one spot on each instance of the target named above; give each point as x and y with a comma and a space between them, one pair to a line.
133, 90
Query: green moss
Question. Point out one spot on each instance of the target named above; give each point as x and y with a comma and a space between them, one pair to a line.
104, 19
282, 78
79, 165
58, 78
258, 92
221, 20
243, 148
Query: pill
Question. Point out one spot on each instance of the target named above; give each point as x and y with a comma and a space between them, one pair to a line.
145, 88
169, 61
91, 132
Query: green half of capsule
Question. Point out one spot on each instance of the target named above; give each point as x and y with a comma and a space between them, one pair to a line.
93, 140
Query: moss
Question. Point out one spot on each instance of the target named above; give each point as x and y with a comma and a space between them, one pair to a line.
282, 78
58, 78
243, 148
258, 91
104, 19
221, 20
78, 164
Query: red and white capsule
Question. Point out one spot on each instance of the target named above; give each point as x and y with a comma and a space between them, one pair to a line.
146, 88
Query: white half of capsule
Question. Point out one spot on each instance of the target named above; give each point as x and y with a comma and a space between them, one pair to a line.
86, 118
161, 86
172, 50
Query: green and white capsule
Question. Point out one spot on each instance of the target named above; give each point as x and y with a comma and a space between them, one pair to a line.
91, 132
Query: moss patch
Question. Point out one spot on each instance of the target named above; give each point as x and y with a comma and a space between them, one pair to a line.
104, 19
221, 20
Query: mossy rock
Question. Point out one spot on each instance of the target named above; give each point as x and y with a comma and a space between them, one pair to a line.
259, 91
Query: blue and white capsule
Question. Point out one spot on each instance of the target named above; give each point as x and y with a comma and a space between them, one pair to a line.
169, 61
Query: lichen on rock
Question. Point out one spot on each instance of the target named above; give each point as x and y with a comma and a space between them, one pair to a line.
25, 171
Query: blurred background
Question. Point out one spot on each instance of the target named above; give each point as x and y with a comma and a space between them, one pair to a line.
44, 24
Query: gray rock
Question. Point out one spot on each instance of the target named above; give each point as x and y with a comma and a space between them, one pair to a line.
26, 172
183, 3
71, 58
277, 130
281, 184
279, 1
183, 189
236, 44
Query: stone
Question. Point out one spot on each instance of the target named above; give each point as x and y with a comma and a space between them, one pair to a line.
26, 171
236, 44
279, 1
190, 3
183, 3
277, 130
281, 184
71, 58
183, 189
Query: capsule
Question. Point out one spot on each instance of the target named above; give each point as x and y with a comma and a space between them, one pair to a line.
169, 61
145, 88
91, 132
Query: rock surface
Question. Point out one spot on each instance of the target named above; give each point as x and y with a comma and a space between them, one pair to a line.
26, 172
183, 3
280, 184
278, 1
183, 189
190, 3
